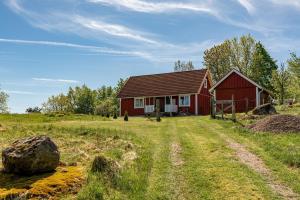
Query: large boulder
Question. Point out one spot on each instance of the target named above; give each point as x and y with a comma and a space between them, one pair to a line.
31, 155
265, 109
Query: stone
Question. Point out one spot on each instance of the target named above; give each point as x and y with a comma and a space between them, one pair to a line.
266, 109
30, 156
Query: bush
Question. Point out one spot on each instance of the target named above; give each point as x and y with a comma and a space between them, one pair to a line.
34, 110
126, 116
107, 115
115, 116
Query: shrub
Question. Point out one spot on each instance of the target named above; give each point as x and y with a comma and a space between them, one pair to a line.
126, 116
107, 115
158, 119
34, 110
115, 116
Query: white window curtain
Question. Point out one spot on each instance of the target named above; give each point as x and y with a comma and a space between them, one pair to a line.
184, 101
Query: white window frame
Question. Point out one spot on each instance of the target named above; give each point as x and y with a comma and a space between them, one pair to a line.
142, 106
180, 105
205, 83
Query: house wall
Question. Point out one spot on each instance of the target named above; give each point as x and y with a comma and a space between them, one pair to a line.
128, 105
191, 108
204, 100
241, 88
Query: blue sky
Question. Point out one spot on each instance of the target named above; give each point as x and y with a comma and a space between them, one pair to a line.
47, 46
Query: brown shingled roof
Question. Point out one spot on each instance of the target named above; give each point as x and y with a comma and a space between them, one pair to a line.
187, 82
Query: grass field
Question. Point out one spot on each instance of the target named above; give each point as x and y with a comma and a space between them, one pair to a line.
178, 158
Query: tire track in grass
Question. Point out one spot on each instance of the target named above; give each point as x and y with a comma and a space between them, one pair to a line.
257, 164
209, 168
159, 179
179, 186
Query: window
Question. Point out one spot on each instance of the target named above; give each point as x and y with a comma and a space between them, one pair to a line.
184, 100
138, 103
205, 83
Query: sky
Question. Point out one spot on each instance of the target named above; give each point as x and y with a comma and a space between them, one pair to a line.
47, 46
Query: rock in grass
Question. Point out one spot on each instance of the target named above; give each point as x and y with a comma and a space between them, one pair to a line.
30, 156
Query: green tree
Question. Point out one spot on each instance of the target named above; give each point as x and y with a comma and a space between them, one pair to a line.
84, 100
57, 104
281, 80
182, 66
217, 60
262, 66
294, 65
242, 50
246, 55
3, 102
294, 69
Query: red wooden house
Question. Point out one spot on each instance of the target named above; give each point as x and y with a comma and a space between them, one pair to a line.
246, 93
176, 92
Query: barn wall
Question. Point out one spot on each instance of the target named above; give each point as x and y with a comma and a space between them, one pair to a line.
241, 88
204, 100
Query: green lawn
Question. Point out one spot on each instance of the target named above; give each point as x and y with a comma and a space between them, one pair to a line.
178, 158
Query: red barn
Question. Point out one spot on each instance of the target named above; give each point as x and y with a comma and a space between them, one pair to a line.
246, 93
176, 92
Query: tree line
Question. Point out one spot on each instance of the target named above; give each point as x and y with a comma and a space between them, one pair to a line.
84, 100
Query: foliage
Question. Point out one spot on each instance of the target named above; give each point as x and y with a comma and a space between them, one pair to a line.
84, 100
217, 60
246, 55
104, 107
262, 67
57, 104
182, 66
115, 116
126, 116
34, 110
294, 69
281, 80
3, 102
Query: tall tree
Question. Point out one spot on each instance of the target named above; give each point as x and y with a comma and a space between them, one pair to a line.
246, 55
182, 66
217, 60
242, 50
294, 68
3, 102
281, 80
262, 67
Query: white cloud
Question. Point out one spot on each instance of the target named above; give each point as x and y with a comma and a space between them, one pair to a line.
19, 92
247, 4
95, 49
292, 3
154, 7
56, 80
111, 29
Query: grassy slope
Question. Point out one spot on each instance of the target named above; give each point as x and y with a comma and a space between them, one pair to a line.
209, 169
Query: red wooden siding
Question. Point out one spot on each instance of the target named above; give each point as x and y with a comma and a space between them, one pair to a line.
128, 105
204, 100
241, 88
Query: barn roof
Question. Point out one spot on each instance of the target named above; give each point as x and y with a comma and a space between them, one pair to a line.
187, 82
243, 76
